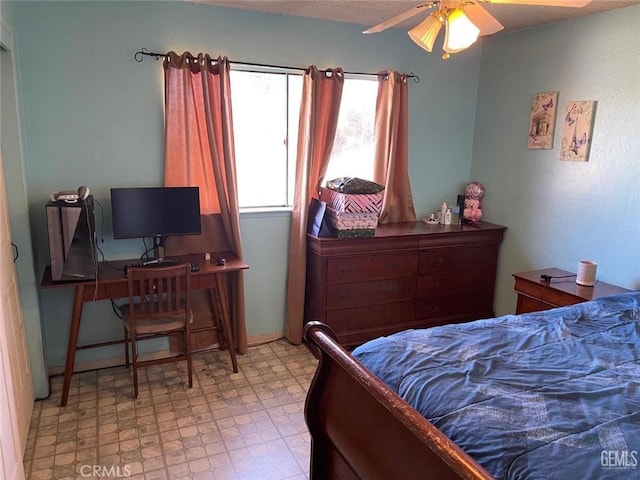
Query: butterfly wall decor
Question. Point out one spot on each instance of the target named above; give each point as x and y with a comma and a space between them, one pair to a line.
577, 130
570, 121
542, 121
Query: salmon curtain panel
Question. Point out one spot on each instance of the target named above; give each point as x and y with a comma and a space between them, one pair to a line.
200, 152
391, 163
321, 94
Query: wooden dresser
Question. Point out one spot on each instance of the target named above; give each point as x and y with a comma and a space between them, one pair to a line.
410, 275
535, 294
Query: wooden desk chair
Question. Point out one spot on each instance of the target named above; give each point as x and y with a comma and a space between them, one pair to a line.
159, 305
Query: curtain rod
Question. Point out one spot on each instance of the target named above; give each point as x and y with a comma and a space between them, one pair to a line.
139, 57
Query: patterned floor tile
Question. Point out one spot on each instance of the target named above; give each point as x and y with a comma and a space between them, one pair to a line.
229, 426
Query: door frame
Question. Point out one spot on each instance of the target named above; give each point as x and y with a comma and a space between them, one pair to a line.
14, 171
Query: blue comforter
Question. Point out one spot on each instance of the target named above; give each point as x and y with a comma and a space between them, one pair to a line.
546, 395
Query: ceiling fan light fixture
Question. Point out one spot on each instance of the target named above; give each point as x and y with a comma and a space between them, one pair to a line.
460, 33
425, 34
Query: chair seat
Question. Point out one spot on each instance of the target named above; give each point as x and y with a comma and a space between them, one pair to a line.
153, 326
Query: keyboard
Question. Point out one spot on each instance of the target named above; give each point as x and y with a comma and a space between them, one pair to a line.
159, 264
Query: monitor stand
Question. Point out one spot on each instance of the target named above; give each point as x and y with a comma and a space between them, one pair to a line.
158, 249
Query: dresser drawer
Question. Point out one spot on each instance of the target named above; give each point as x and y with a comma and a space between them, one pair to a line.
481, 304
369, 293
461, 258
527, 305
371, 267
455, 283
370, 317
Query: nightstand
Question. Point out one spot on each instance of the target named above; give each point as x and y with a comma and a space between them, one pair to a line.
535, 294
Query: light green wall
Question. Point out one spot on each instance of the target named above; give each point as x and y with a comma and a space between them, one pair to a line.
94, 116
559, 212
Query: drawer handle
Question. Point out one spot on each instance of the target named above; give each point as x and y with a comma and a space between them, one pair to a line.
344, 295
346, 270
436, 262
435, 286
395, 290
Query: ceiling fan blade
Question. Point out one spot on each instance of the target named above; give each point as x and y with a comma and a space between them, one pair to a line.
482, 19
400, 18
550, 3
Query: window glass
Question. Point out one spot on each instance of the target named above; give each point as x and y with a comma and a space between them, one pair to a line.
260, 129
354, 145
266, 108
295, 98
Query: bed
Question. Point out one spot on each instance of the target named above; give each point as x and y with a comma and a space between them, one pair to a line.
553, 394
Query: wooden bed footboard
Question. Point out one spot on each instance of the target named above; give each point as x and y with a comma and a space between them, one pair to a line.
360, 429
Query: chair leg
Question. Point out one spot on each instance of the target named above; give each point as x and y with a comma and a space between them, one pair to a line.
187, 349
134, 359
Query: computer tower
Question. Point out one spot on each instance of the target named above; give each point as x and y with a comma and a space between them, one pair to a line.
72, 247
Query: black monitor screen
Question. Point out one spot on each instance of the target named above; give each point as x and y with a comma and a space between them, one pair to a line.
155, 211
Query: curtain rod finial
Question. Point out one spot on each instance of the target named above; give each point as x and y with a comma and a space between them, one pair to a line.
139, 55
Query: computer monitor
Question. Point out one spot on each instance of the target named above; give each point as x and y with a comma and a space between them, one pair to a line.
155, 212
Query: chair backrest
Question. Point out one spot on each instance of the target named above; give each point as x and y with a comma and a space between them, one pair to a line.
163, 291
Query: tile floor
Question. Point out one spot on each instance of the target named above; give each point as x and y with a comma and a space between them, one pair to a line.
244, 426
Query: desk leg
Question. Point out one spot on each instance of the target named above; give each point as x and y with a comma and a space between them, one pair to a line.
218, 324
226, 317
73, 342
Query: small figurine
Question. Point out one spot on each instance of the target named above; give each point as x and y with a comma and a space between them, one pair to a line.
473, 194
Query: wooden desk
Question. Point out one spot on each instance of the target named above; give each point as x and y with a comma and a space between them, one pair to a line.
535, 294
111, 284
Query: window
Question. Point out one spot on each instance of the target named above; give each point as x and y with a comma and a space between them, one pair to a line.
354, 145
266, 108
261, 124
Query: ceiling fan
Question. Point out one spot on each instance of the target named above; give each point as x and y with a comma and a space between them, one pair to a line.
464, 21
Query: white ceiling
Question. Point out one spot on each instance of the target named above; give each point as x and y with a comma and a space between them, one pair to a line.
372, 12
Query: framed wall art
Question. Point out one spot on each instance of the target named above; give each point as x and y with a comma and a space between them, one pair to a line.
577, 130
543, 119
